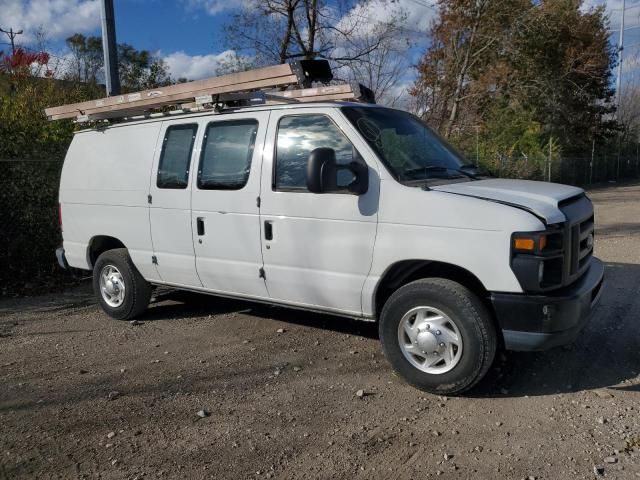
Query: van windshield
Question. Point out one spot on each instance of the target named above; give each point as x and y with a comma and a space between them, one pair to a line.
410, 149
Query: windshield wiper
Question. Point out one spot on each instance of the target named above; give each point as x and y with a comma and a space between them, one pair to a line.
474, 171
433, 171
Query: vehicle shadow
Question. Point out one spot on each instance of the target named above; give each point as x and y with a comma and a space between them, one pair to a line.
183, 304
605, 355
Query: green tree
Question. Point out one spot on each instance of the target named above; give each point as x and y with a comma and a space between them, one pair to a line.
139, 69
87, 59
544, 65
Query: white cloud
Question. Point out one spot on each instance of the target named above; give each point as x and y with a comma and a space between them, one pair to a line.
194, 67
58, 18
214, 7
365, 16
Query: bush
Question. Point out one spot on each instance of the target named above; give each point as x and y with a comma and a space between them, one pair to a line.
30, 233
31, 154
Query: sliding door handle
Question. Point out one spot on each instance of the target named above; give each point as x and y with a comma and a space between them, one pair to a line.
200, 225
268, 230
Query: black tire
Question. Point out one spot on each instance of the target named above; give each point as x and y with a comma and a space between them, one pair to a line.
137, 289
469, 314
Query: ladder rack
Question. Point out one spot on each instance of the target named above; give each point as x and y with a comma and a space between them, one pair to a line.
263, 86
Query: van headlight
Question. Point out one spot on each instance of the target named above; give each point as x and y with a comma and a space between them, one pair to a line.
537, 258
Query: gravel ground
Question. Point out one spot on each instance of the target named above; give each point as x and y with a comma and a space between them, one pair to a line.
210, 388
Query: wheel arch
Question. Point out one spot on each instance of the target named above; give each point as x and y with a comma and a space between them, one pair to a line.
406, 271
100, 244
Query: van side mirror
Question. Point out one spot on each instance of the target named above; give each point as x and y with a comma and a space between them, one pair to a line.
323, 174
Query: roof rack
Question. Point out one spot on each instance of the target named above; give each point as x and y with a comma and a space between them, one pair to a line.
262, 86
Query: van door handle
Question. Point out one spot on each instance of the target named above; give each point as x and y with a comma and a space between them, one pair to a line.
200, 226
268, 230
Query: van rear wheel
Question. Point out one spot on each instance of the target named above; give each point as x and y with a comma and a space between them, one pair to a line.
438, 336
121, 291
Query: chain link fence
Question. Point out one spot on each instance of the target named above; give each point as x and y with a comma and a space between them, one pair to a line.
604, 162
572, 170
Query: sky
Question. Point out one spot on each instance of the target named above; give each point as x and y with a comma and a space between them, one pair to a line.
189, 34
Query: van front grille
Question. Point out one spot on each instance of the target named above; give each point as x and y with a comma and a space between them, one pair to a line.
585, 245
579, 230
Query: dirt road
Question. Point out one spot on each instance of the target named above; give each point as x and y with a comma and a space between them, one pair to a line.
83, 396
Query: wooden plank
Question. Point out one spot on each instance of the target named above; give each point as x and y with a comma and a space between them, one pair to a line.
268, 76
157, 102
345, 91
328, 98
304, 94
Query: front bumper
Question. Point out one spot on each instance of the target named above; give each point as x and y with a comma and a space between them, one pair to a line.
539, 322
62, 259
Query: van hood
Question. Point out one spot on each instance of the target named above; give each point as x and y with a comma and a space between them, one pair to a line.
539, 198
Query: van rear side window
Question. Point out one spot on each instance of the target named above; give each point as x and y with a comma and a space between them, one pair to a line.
173, 169
227, 149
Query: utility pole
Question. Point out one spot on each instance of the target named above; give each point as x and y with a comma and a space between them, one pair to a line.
620, 48
619, 83
12, 35
110, 47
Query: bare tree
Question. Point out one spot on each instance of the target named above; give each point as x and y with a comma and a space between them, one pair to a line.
373, 49
274, 31
361, 44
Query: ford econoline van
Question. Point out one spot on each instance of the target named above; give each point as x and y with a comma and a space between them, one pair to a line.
350, 209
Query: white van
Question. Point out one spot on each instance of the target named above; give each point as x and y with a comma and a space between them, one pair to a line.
345, 208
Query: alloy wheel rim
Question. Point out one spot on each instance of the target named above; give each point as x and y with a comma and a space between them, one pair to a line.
430, 340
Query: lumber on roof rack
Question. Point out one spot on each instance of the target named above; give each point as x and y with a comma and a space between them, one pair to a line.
346, 91
277, 75
215, 91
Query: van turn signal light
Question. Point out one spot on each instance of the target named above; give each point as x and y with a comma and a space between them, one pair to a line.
530, 244
524, 244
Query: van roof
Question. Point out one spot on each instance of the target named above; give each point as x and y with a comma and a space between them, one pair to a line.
161, 117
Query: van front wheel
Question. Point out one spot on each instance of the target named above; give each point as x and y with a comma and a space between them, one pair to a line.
438, 336
121, 291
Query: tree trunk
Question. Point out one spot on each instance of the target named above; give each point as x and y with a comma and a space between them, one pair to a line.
312, 18
286, 39
462, 75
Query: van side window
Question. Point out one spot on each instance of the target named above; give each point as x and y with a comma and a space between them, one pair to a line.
298, 135
173, 169
226, 155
